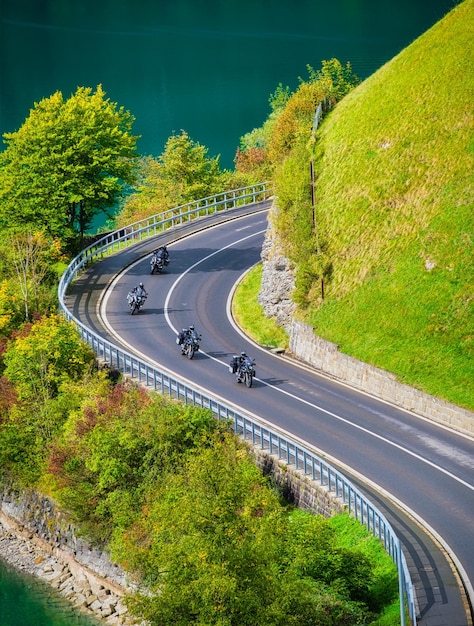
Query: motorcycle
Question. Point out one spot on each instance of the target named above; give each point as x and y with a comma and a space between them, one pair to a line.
158, 260
135, 302
189, 342
244, 369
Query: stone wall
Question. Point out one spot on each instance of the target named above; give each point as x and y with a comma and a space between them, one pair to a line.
275, 298
325, 356
297, 488
277, 282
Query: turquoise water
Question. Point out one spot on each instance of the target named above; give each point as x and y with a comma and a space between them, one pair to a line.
207, 67
25, 601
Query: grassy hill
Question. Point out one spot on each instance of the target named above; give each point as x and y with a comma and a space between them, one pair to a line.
395, 211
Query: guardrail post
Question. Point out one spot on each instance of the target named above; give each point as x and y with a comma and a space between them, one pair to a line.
401, 584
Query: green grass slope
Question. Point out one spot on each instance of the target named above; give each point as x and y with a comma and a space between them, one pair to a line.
395, 209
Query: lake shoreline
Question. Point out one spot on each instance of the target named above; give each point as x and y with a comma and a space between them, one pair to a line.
83, 589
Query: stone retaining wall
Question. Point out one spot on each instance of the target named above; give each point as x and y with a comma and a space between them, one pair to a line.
297, 488
277, 281
325, 356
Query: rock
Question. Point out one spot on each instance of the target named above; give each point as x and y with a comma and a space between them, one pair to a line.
277, 282
80, 599
90, 599
96, 606
51, 576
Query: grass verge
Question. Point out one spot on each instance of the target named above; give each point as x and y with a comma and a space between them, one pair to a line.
249, 314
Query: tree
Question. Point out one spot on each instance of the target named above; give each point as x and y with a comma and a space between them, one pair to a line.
181, 174
27, 264
215, 546
8, 308
69, 161
340, 79
41, 363
252, 155
205, 545
279, 98
49, 354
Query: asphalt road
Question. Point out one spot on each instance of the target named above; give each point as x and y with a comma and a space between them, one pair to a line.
427, 469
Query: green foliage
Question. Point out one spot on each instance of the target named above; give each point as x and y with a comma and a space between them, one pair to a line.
120, 440
68, 162
20, 454
263, 149
391, 231
177, 497
48, 355
294, 214
279, 98
215, 547
39, 366
251, 157
251, 160
340, 79
181, 174
380, 587
208, 547
294, 122
11, 310
282, 149
187, 169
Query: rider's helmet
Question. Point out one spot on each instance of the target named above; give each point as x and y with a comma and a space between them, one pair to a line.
141, 285
243, 353
191, 327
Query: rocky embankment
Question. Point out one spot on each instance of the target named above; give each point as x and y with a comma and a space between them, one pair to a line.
277, 282
26, 551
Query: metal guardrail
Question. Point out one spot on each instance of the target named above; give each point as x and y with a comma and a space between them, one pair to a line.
156, 224
250, 428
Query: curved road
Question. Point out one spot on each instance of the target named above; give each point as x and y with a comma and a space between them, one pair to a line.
427, 469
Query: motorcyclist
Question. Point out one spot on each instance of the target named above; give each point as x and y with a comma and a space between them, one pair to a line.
241, 360
162, 252
184, 335
140, 291
136, 294
188, 336
165, 254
